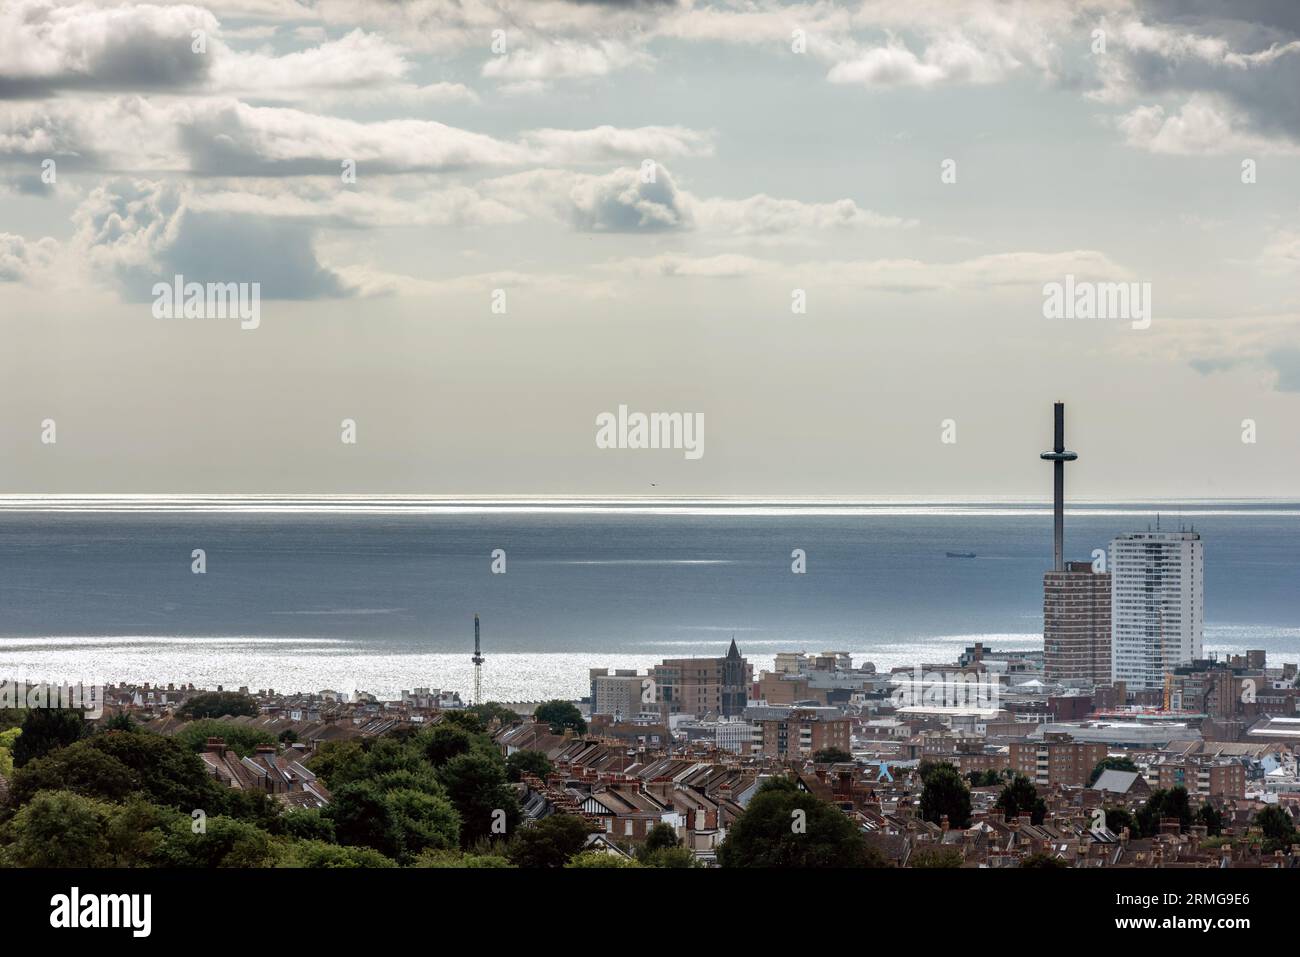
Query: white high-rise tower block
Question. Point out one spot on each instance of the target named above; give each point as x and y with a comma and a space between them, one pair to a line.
1157, 605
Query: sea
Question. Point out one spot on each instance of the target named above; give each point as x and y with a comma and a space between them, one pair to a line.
379, 594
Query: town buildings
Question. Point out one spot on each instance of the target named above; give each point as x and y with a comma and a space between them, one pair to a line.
703, 686
1157, 605
1077, 625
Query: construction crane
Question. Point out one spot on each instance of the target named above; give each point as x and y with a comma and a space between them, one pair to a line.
478, 665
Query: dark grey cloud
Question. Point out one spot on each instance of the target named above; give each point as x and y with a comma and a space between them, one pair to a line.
145, 48
1263, 94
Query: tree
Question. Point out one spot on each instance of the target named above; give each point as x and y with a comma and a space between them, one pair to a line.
80, 769
1162, 804
944, 793
1110, 764
1021, 797
561, 715
832, 756
319, 854
550, 842
1118, 818
422, 822
670, 857
46, 730
786, 827
241, 739
984, 779
1040, 860
223, 842
444, 741
476, 785
61, 829
495, 711
1277, 827
119, 722
7, 739
218, 704
308, 824
458, 859
527, 762
600, 859
1211, 818
115, 764
939, 857
361, 817
660, 837
169, 774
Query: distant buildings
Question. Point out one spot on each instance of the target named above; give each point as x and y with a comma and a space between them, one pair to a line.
1056, 759
618, 693
789, 733
1077, 624
1157, 605
703, 686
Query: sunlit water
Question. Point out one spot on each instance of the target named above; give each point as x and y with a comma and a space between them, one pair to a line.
380, 594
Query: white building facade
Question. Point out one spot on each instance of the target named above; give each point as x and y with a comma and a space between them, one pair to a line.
1157, 605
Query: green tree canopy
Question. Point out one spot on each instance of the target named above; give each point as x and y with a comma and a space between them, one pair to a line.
444, 741
786, 827
241, 739
476, 785
561, 715
1162, 804
1278, 828
494, 711
550, 842
527, 762
1211, 818
1021, 797
832, 756
1039, 860
1110, 764
46, 730
945, 793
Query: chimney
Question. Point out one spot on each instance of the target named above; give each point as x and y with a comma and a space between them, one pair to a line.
215, 746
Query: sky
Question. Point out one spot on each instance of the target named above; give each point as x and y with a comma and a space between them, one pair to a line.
826, 229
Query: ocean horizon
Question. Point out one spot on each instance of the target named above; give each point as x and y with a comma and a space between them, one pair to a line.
303, 593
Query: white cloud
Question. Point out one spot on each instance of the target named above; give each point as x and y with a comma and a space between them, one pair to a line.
889, 275
1204, 125
21, 258
565, 59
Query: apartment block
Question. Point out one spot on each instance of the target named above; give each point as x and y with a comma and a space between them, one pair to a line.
1076, 624
1056, 759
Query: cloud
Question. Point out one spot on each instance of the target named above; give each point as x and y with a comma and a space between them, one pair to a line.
564, 60
888, 275
623, 201
949, 60
1210, 86
230, 138
141, 232
764, 215
47, 47
610, 143
21, 258
223, 136
1203, 125
323, 203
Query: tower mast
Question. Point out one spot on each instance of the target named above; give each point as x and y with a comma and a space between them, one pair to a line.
478, 665
1058, 457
